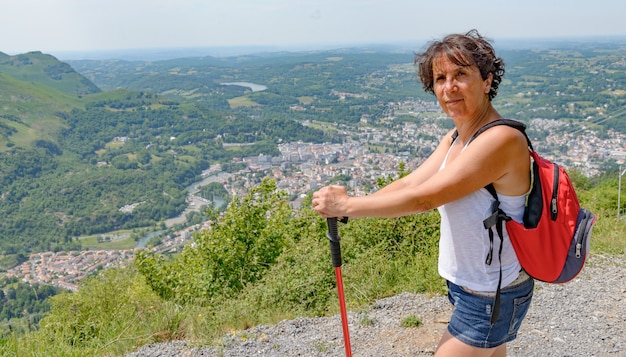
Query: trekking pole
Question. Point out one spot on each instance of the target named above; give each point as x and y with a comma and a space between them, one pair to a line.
335, 252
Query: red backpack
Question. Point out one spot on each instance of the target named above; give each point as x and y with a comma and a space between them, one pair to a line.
553, 241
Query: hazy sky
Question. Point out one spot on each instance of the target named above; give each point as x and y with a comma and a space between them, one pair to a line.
85, 25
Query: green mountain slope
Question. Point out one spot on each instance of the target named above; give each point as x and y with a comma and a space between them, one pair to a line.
28, 111
45, 69
34, 89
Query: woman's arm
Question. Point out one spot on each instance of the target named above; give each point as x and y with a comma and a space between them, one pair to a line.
499, 156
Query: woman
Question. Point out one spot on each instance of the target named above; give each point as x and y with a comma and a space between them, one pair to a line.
463, 72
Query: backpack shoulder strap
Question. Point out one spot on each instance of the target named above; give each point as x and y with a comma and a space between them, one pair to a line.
508, 122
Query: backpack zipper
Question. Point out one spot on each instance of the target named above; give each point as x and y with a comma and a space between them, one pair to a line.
580, 233
555, 192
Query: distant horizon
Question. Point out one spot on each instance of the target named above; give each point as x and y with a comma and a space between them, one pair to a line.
165, 53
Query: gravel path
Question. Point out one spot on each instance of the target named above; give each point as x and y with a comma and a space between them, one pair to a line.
585, 317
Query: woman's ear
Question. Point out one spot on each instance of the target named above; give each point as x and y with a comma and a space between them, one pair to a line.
488, 83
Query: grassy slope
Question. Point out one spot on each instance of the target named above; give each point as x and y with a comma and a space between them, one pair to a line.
34, 89
44, 69
32, 109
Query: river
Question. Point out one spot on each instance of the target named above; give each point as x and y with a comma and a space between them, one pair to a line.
141, 243
194, 204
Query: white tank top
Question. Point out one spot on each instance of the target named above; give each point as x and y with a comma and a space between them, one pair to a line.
464, 241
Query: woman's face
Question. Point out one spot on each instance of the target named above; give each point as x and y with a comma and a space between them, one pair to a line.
460, 90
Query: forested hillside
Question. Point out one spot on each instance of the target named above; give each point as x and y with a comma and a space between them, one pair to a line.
71, 161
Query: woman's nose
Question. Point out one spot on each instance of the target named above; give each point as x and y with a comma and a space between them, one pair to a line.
449, 85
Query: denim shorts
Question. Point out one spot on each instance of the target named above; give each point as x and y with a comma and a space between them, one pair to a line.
470, 321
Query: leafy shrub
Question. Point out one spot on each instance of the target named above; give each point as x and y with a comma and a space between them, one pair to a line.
236, 251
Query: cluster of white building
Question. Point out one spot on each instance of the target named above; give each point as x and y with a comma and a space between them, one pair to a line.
66, 269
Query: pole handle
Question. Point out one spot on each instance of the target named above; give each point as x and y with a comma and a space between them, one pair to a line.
335, 253
333, 237
333, 232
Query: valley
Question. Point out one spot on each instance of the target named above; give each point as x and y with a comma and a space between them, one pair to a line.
304, 119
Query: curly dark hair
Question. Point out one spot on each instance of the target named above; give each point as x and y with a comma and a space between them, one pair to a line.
470, 49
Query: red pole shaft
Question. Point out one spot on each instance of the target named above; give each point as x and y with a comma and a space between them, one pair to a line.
342, 308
